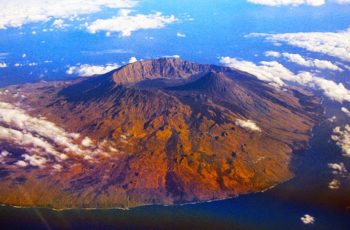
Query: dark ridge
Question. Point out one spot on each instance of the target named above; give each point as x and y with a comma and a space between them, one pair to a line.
89, 89
212, 82
4, 173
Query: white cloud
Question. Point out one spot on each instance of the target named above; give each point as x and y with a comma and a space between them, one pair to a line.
332, 119
35, 160
342, 139
21, 164
346, 111
180, 35
272, 54
334, 184
16, 13
57, 167
3, 55
24, 55
307, 219
87, 142
248, 124
92, 70
276, 74
342, 1
125, 24
300, 60
38, 135
33, 64
269, 72
104, 52
296, 2
172, 56
59, 24
3, 156
25, 139
3, 65
5, 153
132, 60
335, 44
338, 169
314, 63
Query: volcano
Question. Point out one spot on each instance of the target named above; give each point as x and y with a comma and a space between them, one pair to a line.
163, 131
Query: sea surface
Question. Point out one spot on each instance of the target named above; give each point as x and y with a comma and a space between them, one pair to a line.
213, 29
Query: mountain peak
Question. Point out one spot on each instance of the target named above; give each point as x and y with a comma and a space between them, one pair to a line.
164, 68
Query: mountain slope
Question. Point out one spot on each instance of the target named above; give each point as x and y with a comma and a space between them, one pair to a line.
207, 132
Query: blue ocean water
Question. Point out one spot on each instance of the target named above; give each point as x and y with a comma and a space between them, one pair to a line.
213, 29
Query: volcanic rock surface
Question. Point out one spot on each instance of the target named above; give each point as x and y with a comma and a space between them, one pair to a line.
160, 131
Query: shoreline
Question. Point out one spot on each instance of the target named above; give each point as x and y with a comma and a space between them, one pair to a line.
141, 206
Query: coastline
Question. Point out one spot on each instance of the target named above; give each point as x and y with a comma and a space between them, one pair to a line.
144, 205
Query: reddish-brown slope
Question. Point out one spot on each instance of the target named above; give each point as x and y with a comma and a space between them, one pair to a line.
175, 144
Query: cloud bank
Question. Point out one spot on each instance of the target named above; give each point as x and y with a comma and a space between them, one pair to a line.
42, 139
335, 44
16, 13
276, 74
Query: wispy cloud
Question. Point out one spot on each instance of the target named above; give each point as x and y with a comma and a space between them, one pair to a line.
180, 35
307, 62
288, 2
104, 52
296, 2
248, 125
